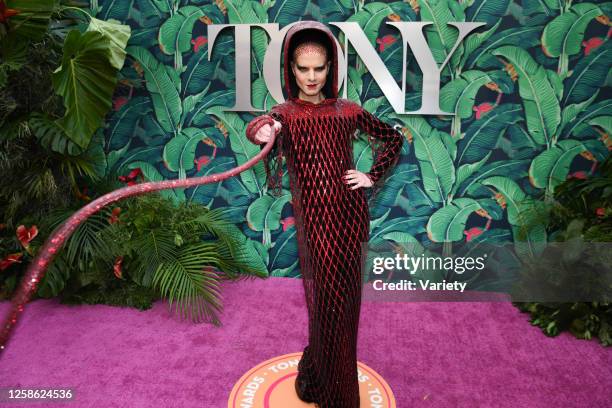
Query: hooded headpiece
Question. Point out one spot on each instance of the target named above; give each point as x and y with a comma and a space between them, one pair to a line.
310, 31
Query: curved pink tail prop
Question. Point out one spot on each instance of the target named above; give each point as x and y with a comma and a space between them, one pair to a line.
38, 267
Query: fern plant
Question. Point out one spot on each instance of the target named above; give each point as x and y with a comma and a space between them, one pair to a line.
149, 248
182, 251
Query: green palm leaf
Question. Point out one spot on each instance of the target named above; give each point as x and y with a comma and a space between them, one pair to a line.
563, 35
521, 36
551, 167
161, 83
588, 75
437, 168
448, 223
184, 280
176, 32
370, 17
254, 177
528, 230
179, 152
441, 37
264, 215
458, 95
490, 11
542, 109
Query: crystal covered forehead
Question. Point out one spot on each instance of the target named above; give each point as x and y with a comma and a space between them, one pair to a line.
309, 47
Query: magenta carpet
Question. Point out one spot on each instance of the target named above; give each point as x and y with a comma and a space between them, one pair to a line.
439, 354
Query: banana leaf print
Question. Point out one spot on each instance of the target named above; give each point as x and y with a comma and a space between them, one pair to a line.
562, 37
542, 109
529, 92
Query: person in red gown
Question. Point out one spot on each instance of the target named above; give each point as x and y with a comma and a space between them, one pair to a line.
315, 130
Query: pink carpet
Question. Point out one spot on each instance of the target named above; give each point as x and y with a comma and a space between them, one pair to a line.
442, 354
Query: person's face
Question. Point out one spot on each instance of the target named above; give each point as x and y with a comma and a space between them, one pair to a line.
310, 70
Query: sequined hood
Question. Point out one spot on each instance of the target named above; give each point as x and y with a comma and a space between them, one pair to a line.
331, 85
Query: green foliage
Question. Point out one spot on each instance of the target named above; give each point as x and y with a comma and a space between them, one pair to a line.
113, 293
86, 80
118, 35
163, 84
530, 90
153, 249
161, 247
583, 320
542, 110
580, 213
562, 37
32, 20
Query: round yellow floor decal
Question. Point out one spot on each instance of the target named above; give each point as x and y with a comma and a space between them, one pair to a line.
271, 385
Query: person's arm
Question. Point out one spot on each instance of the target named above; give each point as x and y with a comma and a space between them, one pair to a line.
274, 168
255, 125
386, 143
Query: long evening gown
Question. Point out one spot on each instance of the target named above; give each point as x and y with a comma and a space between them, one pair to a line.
332, 222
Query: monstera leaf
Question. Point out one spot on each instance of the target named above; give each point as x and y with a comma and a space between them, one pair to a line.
118, 33
32, 18
550, 168
161, 83
448, 223
542, 109
563, 36
51, 136
86, 80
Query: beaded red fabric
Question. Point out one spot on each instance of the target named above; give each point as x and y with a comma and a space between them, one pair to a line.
332, 221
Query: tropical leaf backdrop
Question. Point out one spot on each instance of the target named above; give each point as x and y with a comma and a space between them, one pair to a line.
530, 93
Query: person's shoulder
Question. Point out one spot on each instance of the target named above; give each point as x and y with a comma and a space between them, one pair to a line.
281, 107
347, 105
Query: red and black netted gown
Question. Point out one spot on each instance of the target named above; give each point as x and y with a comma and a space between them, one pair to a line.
332, 222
